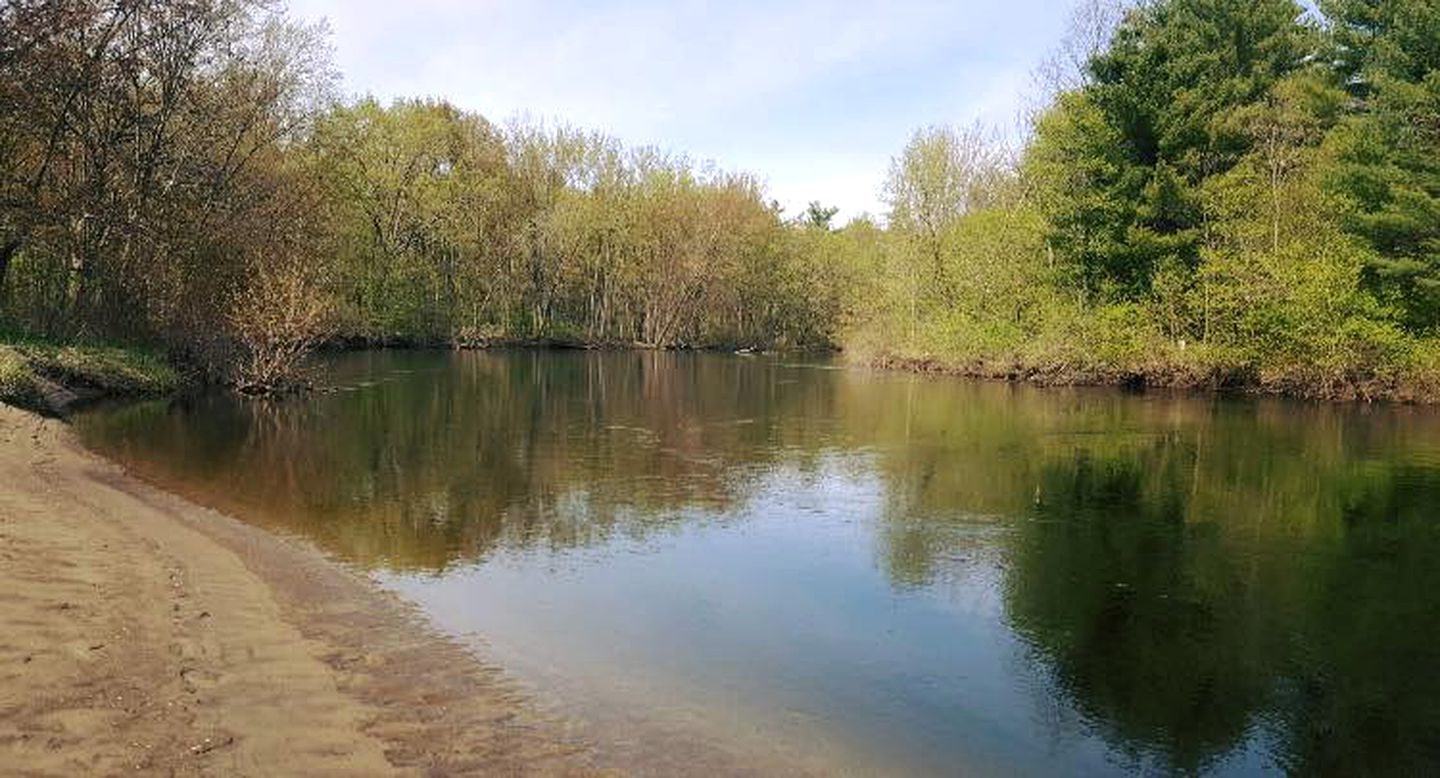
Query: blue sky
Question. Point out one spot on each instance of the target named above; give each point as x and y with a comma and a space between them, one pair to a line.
813, 97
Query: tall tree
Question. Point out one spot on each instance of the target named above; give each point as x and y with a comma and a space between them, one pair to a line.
129, 133
1127, 151
1388, 52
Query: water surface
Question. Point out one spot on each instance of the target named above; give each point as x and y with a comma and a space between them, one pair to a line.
751, 563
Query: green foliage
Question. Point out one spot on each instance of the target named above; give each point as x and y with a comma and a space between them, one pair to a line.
17, 380
1388, 151
819, 216
449, 230
27, 364
1385, 38
1232, 194
1281, 282
1220, 191
1120, 160
413, 187
110, 369
1086, 187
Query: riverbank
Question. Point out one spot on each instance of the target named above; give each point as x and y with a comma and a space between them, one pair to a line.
1415, 387
51, 378
145, 632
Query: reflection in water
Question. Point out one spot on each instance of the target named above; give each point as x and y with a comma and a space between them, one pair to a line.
925, 574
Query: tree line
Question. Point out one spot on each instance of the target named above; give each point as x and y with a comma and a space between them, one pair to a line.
1213, 192
183, 173
1207, 192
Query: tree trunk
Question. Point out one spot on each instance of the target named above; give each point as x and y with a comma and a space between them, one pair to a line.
7, 252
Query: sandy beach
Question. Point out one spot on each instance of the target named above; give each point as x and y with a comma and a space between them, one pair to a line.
145, 633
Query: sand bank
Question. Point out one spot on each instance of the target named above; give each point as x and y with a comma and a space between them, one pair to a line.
143, 632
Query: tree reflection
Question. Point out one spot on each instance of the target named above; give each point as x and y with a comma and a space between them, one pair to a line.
416, 463
1196, 578
1153, 649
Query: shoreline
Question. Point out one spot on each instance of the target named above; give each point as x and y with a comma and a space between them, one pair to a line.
55, 387
1162, 376
147, 632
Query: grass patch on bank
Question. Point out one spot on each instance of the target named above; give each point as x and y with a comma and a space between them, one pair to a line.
17, 380
110, 369
47, 376
1118, 345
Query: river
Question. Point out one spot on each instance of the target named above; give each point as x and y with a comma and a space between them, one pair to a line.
779, 565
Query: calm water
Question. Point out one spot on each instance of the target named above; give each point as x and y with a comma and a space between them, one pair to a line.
779, 566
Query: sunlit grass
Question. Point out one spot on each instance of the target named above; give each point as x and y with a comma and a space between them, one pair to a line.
27, 365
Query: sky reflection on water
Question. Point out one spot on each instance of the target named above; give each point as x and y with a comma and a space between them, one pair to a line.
831, 568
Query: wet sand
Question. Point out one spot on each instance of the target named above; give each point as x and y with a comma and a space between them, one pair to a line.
144, 633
